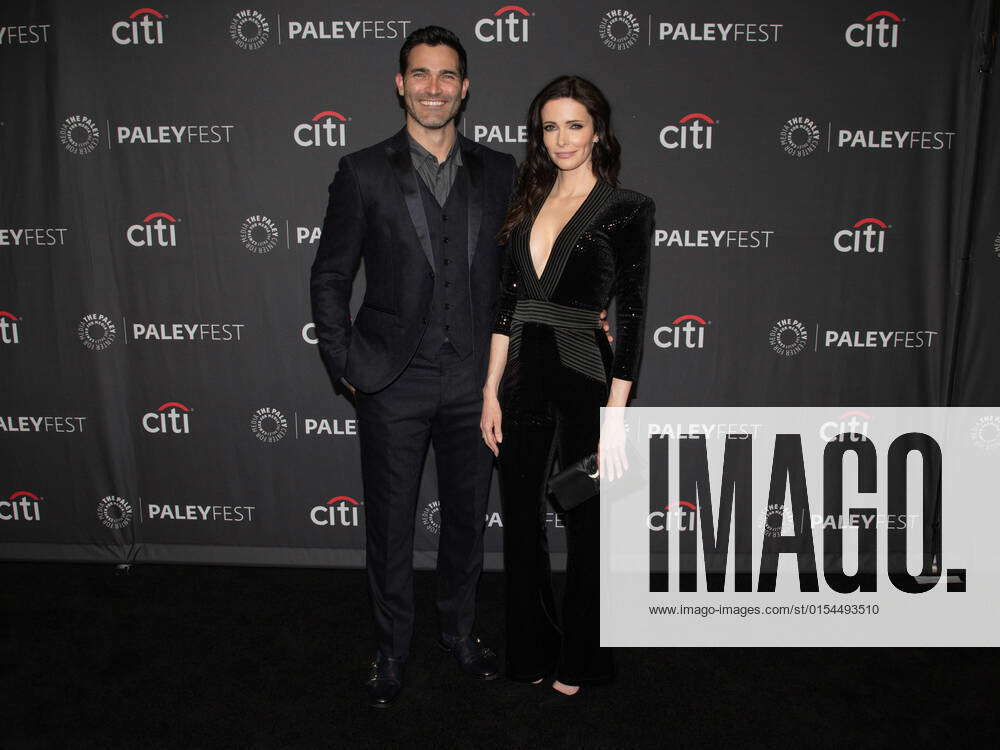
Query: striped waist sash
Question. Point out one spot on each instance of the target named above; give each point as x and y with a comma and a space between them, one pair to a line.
574, 334
557, 316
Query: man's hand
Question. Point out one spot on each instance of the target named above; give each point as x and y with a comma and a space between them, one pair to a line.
605, 326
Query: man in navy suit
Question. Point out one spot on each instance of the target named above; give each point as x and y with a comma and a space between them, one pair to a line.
422, 209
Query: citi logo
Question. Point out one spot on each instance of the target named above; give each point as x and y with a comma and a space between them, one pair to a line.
157, 229
171, 418
21, 506
883, 32
692, 131
851, 426
8, 328
512, 27
337, 511
866, 235
327, 128
685, 332
144, 26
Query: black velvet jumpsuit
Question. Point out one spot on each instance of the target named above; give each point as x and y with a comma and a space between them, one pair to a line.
558, 375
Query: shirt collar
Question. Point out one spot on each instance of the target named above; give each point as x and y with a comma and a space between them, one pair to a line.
422, 153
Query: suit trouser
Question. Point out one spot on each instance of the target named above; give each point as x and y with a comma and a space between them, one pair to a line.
435, 403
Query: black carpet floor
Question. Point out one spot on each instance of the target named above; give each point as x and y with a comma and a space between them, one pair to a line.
215, 657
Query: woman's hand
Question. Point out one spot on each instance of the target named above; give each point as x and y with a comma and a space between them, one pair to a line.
611, 459
489, 422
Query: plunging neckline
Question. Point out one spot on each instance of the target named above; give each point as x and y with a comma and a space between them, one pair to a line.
559, 234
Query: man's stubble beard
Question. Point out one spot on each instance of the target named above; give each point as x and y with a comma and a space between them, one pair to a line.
410, 110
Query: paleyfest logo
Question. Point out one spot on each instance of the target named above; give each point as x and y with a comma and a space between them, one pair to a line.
79, 134
326, 128
97, 331
619, 29
508, 24
249, 30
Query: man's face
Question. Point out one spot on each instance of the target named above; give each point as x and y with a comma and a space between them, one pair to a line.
432, 88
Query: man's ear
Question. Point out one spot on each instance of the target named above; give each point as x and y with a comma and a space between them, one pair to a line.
465, 88
399, 84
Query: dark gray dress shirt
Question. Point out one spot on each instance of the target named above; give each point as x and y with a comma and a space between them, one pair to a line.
437, 177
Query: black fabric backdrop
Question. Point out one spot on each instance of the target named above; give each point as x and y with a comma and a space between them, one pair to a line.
825, 181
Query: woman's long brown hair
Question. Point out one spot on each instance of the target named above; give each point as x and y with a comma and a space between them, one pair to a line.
537, 173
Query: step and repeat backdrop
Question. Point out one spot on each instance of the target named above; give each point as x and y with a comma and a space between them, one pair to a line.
826, 178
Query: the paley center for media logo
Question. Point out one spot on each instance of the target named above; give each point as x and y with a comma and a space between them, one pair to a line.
619, 29
249, 29
97, 331
114, 512
79, 134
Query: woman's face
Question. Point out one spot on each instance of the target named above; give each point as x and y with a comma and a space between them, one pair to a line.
568, 133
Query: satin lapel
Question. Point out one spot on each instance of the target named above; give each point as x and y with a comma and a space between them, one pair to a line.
477, 188
398, 153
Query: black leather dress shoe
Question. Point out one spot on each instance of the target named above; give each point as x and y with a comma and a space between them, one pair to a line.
385, 681
472, 656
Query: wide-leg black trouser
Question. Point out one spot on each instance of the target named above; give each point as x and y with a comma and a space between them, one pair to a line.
550, 410
438, 403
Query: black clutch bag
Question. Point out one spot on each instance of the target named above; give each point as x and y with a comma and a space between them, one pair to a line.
577, 482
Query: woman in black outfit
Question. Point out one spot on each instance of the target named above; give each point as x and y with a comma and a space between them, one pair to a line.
574, 240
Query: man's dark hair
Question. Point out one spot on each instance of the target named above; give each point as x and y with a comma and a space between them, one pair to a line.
432, 36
